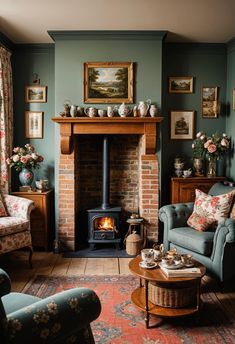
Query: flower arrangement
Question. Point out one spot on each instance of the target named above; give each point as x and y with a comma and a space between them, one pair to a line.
24, 157
214, 146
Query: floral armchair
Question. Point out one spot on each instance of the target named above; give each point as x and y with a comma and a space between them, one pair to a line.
15, 227
62, 318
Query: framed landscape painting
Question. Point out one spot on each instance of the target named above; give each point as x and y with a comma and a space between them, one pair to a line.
108, 82
180, 84
33, 124
210, 104
182, 125
35, 94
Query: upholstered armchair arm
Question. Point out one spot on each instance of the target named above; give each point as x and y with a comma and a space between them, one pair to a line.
5, 283
226, 228
18, 206
56, 318
173, 216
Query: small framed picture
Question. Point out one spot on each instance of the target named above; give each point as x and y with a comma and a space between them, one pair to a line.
182, 125
108, 82
234, 99
180, 84
36, 94
210, 104
33, 124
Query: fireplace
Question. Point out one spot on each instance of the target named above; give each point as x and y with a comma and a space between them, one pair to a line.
104, 221
79, 190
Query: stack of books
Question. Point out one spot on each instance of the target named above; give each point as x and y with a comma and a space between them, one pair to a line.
186, 272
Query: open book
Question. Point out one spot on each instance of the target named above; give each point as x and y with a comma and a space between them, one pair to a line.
186, 272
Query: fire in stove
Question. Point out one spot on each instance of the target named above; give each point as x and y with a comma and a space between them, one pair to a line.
104, 224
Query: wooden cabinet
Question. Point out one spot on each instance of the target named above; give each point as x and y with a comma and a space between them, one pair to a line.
183, 189
40, 217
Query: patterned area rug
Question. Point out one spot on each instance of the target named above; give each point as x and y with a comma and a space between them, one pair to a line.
121, 322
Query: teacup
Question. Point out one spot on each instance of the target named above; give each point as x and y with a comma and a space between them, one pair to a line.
168, 261
147, 256
158, 250
186, 259
102, 112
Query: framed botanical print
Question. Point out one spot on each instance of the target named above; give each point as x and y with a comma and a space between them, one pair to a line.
182, 125
108, 82
34, 124
36, 94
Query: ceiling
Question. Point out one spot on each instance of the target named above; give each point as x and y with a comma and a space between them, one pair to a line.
206, 21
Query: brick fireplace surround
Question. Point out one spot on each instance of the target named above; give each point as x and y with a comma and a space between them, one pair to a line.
134, 171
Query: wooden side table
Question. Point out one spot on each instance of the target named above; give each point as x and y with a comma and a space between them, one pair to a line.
140, 296
183, 189
40, 217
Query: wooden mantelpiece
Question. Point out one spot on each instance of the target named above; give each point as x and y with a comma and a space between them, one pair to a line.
145, 126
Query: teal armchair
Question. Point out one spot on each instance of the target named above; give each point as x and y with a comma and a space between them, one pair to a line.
214, 249
62, 318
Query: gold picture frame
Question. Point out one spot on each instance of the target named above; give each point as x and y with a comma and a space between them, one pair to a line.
33, 124
36, 94
210, 104
180, 84
108, 82
182, 124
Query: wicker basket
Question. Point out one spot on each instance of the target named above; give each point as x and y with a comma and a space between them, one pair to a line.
172, 297
134, 244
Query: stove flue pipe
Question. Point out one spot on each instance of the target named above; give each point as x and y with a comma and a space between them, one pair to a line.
106, 173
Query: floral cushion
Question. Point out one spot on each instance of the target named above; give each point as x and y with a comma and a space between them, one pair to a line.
208, 210
232, 212
3, 211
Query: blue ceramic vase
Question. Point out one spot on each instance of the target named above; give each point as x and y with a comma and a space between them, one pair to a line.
26, 177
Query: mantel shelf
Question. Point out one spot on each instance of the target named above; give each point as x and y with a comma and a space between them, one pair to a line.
70, 126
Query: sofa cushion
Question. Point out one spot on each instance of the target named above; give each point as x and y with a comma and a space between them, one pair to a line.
3, 211
208, 210
11, 225
193, 240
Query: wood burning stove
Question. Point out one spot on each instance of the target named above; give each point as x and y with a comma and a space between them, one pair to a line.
104, 222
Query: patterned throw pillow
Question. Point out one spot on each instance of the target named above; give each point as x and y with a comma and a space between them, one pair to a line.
232, 213
3, 211
208, 210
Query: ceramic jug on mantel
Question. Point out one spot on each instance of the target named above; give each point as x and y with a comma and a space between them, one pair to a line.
143, 107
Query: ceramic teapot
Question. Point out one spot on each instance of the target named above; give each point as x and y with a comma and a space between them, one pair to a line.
124, 110
91, 111
143, 107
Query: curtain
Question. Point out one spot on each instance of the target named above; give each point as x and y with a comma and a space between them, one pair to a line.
6, 117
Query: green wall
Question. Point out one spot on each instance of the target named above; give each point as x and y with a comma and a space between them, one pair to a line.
27, 60
230, 123
206, 63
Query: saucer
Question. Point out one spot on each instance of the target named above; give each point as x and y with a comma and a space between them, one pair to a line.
172, 267
150, 266
189, 265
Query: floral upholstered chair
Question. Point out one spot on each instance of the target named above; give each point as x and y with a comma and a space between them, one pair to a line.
15, 224
62, 318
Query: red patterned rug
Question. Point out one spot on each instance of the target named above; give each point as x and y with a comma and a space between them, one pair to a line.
121, 322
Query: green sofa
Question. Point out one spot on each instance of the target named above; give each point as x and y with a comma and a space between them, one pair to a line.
62, 318
214, 249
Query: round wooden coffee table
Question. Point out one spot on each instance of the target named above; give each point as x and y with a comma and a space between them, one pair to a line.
174, 286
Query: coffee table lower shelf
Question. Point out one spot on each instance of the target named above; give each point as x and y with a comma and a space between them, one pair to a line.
138, 297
